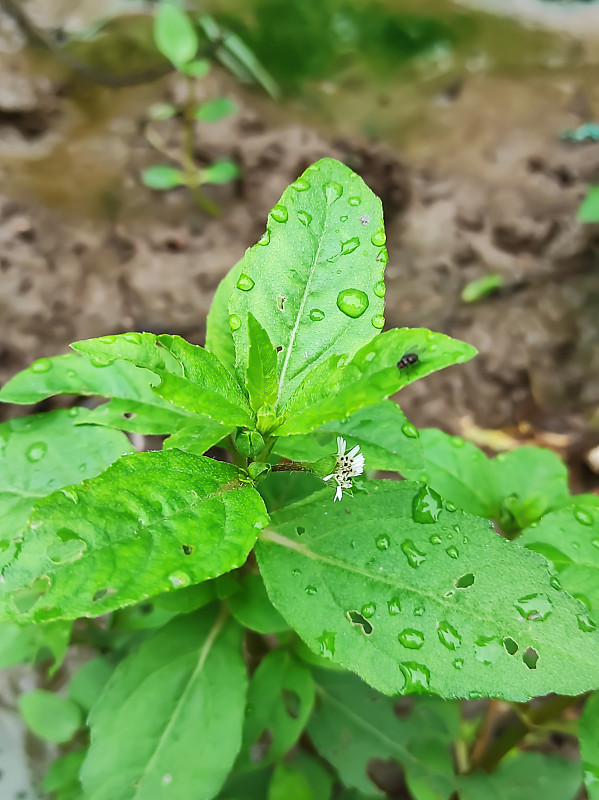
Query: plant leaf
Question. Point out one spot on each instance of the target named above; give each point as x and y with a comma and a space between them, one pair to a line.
353, 724
21, 644
220, 172
432, 601
280, 699
199, 436
338, 387
523, 776
589, 745
589, 208
327, 222
50, 716
251, 607
161, 177
302, 778
185, 690
34, 461
175, 520
386, 438
174, 34
261, 376
215, 110
219, 336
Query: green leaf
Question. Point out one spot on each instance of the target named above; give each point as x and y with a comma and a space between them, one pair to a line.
188, 599
198, 68
63, 776
251, 607
589, 208
588, 734
569, 540
386, 438
524, 776
171, 716
161, 177
481, 288
215, 110
280, 489
198, 436
338, 387
220, 172
162, 111
353, 724
280, 699
44, 452
88, 683
203, 385
219, 337
431, 601
174, 34
23, 643
50, 716
304, 778
175, 520
327, 222
261, 376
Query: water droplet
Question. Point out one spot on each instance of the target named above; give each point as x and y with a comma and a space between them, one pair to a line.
107, 339
585, 623
450, 507
378, 239
265, 238
295, 572
411, 638
383, 542
435, 539
448, 636
352, 302
393, 606
453, 552
458, 663
166, 779
41, 365
364, 219
71, 494
555, 584
426, 506
234, 322
326, 644
354, 201
474, 695
343, 218
316, 315
71, 373
333, 192
310, 590
245, 283
179, 579
349, 246
417, 677
419, 611
456, 441
279, 213
379, 288
36, 451
383, 257
134, 337
413, 554
378, 321
409, 430
487, 649
583, 516
535, 607
368, 610
300, 185
304, 217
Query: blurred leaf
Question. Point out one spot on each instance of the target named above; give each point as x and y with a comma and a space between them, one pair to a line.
477, 290
24, 643
522, 776
88, 683
161, 177
251, 607
220, 172
62, 777
304, 778
162, 111
219, 337
50, 716
588, 733
174, 34
589, 208
187, 599
198, 437
215, 110
196, 69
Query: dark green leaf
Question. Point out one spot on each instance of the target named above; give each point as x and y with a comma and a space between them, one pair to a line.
251, 607
589, 208
175, 36
63, 776
49, 715
304, 778
215, 110
161, 177
524, 776
314, 272
219, 337
261, 376
175, 520
431, 601
171, 716
188, 599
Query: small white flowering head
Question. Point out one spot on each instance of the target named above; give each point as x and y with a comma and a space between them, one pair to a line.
348, 466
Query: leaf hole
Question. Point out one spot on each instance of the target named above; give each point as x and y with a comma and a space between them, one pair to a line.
292, 703
510, 645
464, 581
128, 415
281, 302
530, 657
279, 348
357, 619
187, 549
259, 750
300, 530
102, 593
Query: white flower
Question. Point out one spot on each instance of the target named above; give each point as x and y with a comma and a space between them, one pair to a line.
348, 466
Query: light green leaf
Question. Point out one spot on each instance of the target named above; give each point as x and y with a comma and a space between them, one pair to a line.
175, 520
171, 716
155, 418
44, 452
261, 376
386, 438
220, 172
198, 68
88, 683
251, 607
198, 436
219, 337
162, 111
161, 177
323, 252
304, 778
215, 110
174, 34
23, 643
589, 208
353, 724
431, 601
588, 733
50, 716
569, 540
481, 288
338, 387
280, 699
63, 776
524, 776
203, 385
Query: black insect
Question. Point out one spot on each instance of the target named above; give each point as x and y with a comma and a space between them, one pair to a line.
407, 360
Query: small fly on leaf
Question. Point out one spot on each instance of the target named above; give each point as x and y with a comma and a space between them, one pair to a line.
407, 360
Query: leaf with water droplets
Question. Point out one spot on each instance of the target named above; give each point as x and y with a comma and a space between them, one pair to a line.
219, 336
451, 598
314, 232
386, 438
261, 376
176, 519
340, 386
189, 677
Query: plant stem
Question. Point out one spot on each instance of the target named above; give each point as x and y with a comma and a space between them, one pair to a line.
290, 466
192, 175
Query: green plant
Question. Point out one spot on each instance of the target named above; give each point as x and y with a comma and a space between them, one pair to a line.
589, 208
254, 632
